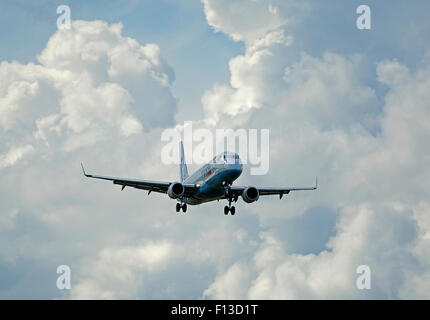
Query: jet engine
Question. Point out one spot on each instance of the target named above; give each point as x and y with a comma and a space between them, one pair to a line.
175, 190
250, 194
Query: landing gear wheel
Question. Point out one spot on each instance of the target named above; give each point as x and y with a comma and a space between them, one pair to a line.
226, 210
184, 207
233, 210
178, 207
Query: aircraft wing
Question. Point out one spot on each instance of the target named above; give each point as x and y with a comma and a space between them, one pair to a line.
151, 186
273, 191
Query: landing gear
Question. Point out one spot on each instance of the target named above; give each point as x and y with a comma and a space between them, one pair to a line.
182, 206
229, 195
228, 209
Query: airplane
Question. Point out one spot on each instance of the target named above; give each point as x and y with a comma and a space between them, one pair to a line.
213, 181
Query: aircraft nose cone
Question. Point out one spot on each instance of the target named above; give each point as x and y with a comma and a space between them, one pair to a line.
237, 170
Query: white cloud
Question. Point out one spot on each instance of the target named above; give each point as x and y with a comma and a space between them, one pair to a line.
248, 20
230, 285
93, 90
14, 155
14, 94
373, 166
331, 274
324, 91
91, 82
118, 272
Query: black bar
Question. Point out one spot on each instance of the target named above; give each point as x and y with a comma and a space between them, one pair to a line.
215, 309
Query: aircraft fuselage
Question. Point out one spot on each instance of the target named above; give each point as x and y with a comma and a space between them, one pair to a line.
213, 177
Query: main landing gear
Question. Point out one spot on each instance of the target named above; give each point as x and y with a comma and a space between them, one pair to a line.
230, 197
230, 209
182, 206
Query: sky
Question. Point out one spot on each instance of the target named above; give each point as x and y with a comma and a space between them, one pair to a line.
350, 106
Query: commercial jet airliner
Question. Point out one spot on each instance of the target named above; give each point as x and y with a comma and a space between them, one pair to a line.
211, 182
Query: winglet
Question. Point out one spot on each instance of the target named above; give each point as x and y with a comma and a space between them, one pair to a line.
316, 183
83, 170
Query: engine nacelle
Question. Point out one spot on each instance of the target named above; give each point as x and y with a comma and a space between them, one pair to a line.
250, 194
175, 190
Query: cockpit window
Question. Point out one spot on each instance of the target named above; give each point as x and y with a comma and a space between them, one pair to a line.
227, 157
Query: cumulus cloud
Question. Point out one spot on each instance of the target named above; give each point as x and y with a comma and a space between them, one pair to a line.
331, 273
118, 272
232, 284
91, 89
249, 20
14, 155
90, 80
369, 153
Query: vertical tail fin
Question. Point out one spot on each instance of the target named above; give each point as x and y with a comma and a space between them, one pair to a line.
183, 167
